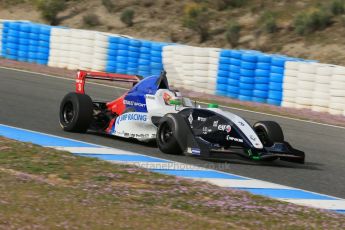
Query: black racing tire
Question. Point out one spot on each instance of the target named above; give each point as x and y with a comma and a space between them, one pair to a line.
269, 132
166, 135
76, 112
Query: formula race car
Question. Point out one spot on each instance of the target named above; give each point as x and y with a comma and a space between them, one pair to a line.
151, 111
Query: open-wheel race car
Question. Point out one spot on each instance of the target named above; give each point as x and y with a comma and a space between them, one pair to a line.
151, 111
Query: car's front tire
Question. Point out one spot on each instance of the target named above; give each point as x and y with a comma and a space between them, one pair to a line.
269, 132
76, 112
166, 135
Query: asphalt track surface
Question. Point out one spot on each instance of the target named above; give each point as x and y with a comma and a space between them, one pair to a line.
31, 101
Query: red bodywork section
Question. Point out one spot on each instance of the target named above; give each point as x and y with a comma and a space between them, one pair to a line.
117, 106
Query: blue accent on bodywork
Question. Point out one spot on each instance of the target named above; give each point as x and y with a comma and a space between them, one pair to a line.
135, 97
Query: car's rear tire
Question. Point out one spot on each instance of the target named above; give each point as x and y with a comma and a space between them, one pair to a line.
166, 136
76, 112
269, 132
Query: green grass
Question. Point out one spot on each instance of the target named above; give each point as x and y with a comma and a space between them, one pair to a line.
49, 189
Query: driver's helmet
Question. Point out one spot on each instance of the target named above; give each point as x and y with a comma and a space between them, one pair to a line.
170, 95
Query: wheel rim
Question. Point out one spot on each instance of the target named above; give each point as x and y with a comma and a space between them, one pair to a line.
262, 136
166, 133
68, 113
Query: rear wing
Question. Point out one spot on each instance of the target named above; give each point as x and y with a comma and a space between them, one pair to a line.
82, 75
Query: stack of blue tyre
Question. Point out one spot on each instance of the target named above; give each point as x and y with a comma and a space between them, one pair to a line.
112, 54
156, 62
145, 59
223, 72
133, 56
262, 78
247, 73
234, 74
5, 29
27, 42
275, 87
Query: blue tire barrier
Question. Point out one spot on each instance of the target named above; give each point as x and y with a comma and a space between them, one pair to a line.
44, 37
120, 70
222, 80
42, 56
45, 30
233, 82
277, 69
156, 53
236, 62
275, 86
22, 54
247, 80
259, 99
33, 42
43, 44
35, 29
132, 71
222, 73
12, 57
134, 49
112, 46
132, 65
122, 47
144, 68
232, 95
24, 35
144, 62
222, 87
143, 73
112, 54
145, 50
248, 65
133, 54
246, 86
236, 54
156, 65
264, 58
11, 39
122, 59
146, 44
261, 87
224, 61
262, 73
110, 69
134, 43
25, 28
32, 55
113, 40
233, 89
249, 57
260, 93
262, 80
246, 92
24, 48
34, 36
123, 41
275, 95
278, 61
33, 48
156, 59
275, 77
274, 102
225, 53
132, 59
13, 46
235, 69
122, 52
244, 98
247, 73
111, 63
224, 67
263, 66
235, 76
145, 56
13, 33
121, 65
43, 50
14, 25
